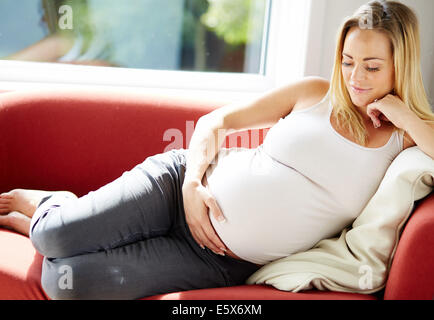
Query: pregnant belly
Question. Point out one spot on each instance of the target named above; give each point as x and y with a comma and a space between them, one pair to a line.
229, 252
267, 206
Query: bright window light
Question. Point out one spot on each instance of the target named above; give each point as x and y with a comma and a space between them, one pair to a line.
238, 47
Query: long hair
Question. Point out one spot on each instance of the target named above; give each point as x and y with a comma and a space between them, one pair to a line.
400, 24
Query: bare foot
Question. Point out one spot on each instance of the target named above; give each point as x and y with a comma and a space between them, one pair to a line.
16, 221
24, 200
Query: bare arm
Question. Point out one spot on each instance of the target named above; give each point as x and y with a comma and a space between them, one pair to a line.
422, 133
205, 143
48, 49
264, 112
210, 133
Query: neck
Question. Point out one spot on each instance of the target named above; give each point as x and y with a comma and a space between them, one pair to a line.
363, 113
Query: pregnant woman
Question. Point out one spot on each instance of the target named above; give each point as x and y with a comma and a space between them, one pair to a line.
210, 216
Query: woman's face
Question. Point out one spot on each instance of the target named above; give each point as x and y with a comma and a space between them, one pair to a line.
367, 64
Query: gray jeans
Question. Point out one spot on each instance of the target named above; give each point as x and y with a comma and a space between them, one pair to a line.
128, 239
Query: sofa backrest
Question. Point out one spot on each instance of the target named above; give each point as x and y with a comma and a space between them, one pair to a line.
80, 140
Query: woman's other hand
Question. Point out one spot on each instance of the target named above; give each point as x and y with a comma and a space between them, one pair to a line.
390, 109
197, 201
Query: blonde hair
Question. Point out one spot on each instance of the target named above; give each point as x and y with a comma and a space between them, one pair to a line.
401, 25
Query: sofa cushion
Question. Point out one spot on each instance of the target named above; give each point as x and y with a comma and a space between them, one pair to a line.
258, 292
20, 268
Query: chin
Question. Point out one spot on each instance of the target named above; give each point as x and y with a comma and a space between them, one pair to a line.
361, 102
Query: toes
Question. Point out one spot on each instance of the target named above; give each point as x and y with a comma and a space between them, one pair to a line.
5, 206
4, 220
5, 203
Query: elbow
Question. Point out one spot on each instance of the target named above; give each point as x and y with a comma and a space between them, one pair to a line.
213, 120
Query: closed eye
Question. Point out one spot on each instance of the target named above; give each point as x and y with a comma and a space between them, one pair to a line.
369, 69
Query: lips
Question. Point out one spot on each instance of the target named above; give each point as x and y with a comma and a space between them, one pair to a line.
359, 90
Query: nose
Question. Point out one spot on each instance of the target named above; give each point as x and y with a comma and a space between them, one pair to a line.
358, 74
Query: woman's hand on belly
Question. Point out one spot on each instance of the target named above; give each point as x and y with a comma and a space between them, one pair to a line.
197, 201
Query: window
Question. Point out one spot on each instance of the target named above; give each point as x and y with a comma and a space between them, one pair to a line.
192, 35
183, 44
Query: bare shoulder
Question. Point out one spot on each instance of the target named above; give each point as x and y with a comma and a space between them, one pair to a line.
314, 90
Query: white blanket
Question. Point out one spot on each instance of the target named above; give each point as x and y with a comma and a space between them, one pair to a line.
359, 260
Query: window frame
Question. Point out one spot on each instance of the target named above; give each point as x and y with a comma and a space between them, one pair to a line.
280, 63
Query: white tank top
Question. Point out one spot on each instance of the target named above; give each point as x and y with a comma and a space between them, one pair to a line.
305, 183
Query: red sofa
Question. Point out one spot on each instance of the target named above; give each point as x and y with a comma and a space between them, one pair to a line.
81, 140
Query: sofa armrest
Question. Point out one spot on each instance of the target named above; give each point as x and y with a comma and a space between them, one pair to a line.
410, 275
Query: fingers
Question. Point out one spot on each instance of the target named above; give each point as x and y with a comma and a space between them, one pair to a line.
376, 122
212, 241
209, 236
374, 115
199, 222
214, 208
205, 236
197, 238
384, 118
207, 233
211, 202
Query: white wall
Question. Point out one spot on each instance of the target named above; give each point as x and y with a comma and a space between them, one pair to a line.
327, 16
